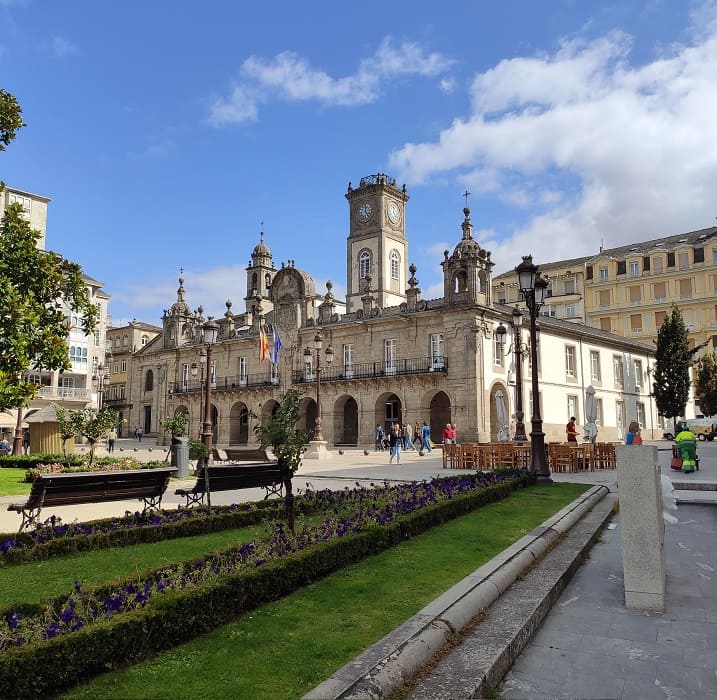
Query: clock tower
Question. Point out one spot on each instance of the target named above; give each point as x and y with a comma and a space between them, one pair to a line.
377, 247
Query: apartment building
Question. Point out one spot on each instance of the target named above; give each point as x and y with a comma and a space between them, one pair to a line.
34, 206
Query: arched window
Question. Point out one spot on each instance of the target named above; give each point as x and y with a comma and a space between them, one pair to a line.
149, 380
364, 264
125, 340
395, 265
145, 339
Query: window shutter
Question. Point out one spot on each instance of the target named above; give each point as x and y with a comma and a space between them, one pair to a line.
699, 255
646, 263
589, 272
621, 267
670, 260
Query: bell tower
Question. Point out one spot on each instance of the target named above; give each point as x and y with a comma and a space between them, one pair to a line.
376, 247
259, 274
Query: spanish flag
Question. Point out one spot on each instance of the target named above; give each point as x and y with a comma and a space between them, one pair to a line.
263, 345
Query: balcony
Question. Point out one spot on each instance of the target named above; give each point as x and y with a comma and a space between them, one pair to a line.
65, 393
225, 383
374, 370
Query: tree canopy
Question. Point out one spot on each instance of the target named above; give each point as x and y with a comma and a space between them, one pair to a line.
35, 289
673, 357
10, 118
706, 384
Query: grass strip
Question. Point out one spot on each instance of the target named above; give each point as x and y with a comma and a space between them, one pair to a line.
283, 649
12, 482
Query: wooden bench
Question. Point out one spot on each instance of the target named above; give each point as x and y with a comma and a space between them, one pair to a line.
244, 454
231, 477
48, 490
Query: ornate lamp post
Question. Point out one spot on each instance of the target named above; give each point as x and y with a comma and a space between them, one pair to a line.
533, 287
318, 440
211, 330
519, 349
100, 383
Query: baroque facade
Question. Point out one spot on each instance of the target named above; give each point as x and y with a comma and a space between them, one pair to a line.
397, 357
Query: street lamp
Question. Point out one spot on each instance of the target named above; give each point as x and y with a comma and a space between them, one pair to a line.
519, 349
100, 383
195, 371
533, 287
211, 330
318, 340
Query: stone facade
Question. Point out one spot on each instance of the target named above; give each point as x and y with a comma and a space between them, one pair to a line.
396, 356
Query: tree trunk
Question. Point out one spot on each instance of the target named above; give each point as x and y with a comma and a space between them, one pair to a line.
288, 497
17, 439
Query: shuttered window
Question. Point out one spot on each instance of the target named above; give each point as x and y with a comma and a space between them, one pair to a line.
604, 297
635, 294
660, 290
605, 324
636, 323
660, 317
686, 289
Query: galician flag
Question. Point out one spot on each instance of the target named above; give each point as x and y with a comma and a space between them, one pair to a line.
276, 346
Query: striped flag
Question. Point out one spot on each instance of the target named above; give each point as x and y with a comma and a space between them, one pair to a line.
263, 345
276, 346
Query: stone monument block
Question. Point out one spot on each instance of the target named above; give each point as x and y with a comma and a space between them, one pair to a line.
643, 527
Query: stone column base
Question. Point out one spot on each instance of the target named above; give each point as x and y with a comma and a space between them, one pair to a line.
317, 450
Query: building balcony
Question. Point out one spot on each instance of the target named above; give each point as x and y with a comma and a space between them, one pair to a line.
64, 393
375, 370
225, 383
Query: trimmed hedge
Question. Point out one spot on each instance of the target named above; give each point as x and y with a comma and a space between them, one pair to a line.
52, 665
34, 460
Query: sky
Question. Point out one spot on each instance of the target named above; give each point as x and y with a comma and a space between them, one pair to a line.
170, 134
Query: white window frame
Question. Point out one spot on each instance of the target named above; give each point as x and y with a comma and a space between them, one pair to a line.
604, 274
570, 361
634, 268
364, 264
348, 353
498, 357
638, 374
185, 377
640, 410
570, 311
573, 407
395, 265
123, 364
618, 370
390, 363
595, 373
243, 367
436, 349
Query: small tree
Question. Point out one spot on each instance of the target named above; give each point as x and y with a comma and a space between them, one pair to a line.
65, 425
280, 432
673, 358
706, 384
176, 426
93, 425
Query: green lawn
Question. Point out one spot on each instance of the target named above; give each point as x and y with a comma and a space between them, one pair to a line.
11, 482
283, 649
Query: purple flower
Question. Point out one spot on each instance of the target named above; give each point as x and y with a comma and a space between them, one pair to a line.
13, 620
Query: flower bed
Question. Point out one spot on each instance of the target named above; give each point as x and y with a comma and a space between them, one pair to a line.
104, 465
88, 632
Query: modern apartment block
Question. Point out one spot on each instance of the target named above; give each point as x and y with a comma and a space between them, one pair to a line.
34, 205
122, 343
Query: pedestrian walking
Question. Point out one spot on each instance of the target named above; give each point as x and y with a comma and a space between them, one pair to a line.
140, 433
111, 437
379, 438
394, 440
447, 435
571, 430
407, 434
425, 438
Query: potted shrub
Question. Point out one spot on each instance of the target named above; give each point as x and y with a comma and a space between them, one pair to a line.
176, 426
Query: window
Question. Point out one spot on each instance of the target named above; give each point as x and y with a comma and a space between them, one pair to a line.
685, 289
595, 365
394, 265
213, 374
604, 274
621, 267
620, 418
698, 255
437, 351
640, 408
548, 310
638, 375
98, 306
635, 295
144, 340
570, 360
243, 365
659, 290
185, 376
389, 355
549, 290
364, 264
682, 261
573, 408
598, 413
95, 365
606, 324
24, 202
634, 268
125, 340
274, 376
117, 342
604, 298
646, 263
657, 264
714, 283
97, 338
115, 368
670, 260
714, 256
570, 311
589, 272
497, 351
149, 380
124, 365
660, 317
348, 360
618, 370
636, 323
570, 286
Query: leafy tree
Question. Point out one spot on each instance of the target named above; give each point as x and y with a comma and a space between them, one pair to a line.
65, 425
673, 357
10, 121
93, 424
280, 432
33, 286
706, 384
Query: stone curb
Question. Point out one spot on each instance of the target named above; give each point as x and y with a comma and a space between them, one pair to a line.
402, 653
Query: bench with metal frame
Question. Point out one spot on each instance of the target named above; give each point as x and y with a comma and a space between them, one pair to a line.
49, 490
232, 477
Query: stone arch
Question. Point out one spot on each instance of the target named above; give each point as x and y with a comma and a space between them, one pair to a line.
269, 408
436, 408
460, 281
239, 424
346, 421
149, 380
388, 409
307, 413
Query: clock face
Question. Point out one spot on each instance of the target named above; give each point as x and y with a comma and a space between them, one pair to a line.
394, 213
365, 211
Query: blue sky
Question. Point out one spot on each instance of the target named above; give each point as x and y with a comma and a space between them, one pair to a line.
167, 132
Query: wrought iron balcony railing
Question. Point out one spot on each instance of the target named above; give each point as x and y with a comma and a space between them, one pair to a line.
373, 370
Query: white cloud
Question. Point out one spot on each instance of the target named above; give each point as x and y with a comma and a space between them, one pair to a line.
448, 85
63, 47
593, 146
289, 77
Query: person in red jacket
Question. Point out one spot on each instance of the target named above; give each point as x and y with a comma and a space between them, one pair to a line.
447, 435
571, 430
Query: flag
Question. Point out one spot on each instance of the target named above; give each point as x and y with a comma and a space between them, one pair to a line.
276, 347
263, 345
